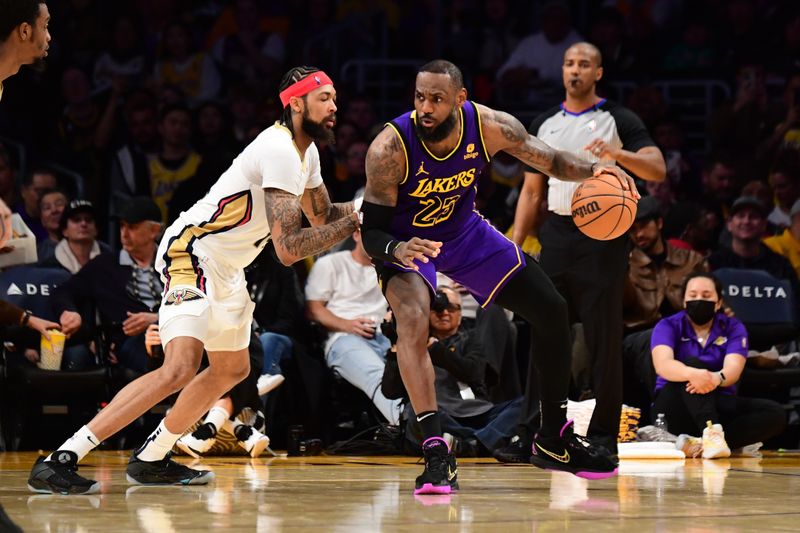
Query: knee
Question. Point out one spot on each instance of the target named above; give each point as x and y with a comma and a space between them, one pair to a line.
176, 376
413, 322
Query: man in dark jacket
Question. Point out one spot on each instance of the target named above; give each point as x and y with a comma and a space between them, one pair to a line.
123, 287
460, 368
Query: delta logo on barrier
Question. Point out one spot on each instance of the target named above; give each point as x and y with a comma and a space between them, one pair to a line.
756, 296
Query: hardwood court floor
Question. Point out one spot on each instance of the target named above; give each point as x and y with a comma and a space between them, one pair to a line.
374, 494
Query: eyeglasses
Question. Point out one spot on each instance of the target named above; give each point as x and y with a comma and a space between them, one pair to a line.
452, 308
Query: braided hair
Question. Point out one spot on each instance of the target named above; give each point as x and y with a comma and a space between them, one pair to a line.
293, 76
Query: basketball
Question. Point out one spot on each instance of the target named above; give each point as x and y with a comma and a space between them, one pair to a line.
602, 209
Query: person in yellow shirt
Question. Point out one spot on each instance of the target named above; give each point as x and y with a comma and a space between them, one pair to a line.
787, 243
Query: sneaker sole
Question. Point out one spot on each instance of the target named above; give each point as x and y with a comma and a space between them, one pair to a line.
185, 448
585, 474
430, 488
93, 489
205, 479
258, 447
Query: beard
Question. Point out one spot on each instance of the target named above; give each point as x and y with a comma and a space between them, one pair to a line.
317, 130
437, 133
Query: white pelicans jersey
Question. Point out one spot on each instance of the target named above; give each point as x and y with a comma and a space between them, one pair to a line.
229, 225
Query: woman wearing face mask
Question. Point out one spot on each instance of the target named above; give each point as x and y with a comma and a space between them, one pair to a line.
699, 354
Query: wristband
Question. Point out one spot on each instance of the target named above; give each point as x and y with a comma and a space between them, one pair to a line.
721, 378
26, 316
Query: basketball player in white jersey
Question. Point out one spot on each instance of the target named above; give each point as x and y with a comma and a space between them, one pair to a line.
263, 195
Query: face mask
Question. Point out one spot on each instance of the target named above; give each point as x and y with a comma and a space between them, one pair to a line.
701, 311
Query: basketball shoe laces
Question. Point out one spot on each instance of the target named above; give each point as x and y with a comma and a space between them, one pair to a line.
436, 463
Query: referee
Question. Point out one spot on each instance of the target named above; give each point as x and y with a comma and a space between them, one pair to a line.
588, 273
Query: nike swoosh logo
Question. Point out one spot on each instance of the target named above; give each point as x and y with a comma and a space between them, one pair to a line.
685, 339
560, 458
451, 474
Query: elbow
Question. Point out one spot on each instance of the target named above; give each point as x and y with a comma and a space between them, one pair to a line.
284, 256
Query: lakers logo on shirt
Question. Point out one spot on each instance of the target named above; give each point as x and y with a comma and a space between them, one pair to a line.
178, 296
422, 169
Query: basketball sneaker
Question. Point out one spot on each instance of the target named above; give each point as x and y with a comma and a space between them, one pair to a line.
690, 446
574, 454
165, 472
441, 471
254, 442
59, 475
198, 441
517, 451
714, 445
268, 382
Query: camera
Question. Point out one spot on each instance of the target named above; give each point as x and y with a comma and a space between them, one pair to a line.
389, 330
440, 302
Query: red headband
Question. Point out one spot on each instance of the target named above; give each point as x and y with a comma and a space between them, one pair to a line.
305, 86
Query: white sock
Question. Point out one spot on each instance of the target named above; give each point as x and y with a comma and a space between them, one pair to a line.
82, 442
217, 416
158, 444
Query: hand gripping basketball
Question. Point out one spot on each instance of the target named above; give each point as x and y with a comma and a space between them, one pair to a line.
604, 206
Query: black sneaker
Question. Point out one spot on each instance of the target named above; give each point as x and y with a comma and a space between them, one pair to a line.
59, 475
441, 471
165, 472
517, 451
572, 453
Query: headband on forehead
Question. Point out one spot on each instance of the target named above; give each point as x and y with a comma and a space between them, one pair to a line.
305, 86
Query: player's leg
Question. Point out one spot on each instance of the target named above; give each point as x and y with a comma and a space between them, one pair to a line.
151, 463
58, 472
409, 297
531, 294
599, 287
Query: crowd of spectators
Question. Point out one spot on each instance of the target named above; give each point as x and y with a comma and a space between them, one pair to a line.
143, 104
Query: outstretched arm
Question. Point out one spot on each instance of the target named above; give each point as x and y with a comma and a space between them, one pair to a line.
293, 242
318, 208
502, 131
386, 169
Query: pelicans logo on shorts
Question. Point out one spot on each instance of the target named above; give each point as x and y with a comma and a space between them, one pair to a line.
178, 296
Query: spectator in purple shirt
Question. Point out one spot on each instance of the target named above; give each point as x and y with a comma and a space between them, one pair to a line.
699, 355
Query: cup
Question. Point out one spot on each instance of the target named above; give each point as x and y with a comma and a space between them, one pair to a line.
52, 350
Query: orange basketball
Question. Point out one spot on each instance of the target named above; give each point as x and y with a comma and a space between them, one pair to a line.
602, 209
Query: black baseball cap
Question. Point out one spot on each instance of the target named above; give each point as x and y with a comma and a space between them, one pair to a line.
748, 201
138, 209
75, 207
648, 208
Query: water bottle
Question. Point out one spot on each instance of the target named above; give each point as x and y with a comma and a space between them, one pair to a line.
661, 427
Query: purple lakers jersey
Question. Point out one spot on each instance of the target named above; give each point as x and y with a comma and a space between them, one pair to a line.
436, 199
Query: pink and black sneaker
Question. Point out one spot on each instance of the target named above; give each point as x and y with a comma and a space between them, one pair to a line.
441, 471
574, 454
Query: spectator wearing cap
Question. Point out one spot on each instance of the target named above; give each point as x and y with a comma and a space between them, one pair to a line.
747, 224
78, 227
787, 244
123, 287
657, 270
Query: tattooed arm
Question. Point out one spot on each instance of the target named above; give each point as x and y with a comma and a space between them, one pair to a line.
318, 208
292, 242
386, 169
502, 131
